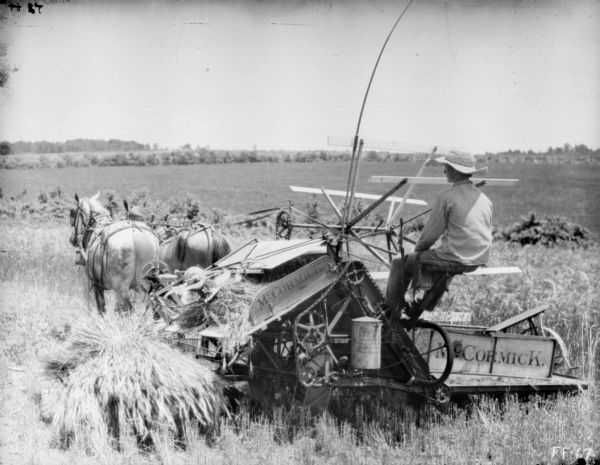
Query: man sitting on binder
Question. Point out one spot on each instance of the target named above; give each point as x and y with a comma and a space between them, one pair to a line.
458, 235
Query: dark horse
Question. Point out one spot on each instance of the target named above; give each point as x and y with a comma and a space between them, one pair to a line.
184, 246
198, 245
116, 255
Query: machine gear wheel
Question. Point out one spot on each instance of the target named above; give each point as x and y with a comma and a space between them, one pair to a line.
149, 269
283, 225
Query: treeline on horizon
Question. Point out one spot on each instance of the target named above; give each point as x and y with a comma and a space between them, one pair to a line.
74, 145
129, 153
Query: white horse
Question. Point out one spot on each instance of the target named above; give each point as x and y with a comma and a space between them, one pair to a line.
117, 255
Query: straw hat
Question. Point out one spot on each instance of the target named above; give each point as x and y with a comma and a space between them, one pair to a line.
462, 162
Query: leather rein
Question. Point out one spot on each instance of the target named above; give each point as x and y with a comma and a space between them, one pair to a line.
89, 227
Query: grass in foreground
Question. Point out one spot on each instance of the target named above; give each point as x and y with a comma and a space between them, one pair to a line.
41, 299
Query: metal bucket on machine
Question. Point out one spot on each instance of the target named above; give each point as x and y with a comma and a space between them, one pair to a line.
366, 343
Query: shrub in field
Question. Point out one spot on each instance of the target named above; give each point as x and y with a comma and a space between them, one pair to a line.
68, 159
43, 197
45, 162
56, 193
152, 159
547, 231
53, 203
119, 159
112, 202
135, 159
122, 382
207, 156
312, 209
182, 158
218, 216
191, 208
47, 204
93, 159
72, 159
165, 158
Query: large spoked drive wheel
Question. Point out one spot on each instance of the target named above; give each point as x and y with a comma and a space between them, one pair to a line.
434, 346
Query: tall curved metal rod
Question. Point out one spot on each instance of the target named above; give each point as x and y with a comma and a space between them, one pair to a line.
347, 196
362, 108
355, 145
354, 176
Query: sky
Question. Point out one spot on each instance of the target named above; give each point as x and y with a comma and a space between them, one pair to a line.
479, 75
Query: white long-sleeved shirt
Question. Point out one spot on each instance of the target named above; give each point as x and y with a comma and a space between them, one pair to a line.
462, 217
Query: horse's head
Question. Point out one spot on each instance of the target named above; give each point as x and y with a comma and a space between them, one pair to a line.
84, 216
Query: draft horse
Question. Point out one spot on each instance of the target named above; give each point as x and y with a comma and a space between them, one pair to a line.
184, 246
117, 255
198, 245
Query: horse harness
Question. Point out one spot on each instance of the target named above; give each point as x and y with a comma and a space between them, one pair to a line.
96, 237
182, 245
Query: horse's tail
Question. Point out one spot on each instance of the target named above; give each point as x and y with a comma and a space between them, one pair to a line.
220, 246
